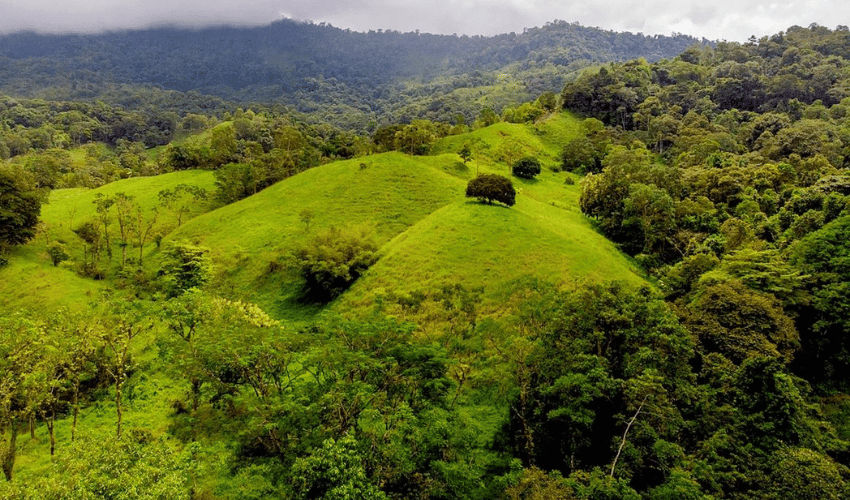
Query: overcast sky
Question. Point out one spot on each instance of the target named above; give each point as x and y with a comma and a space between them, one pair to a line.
733, 20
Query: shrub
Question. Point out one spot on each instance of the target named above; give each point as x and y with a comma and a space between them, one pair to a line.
491, 187
57, 253
527, 167
184, 266
332, 260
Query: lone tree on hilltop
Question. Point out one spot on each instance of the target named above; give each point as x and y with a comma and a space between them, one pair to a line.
527, 167
491, 187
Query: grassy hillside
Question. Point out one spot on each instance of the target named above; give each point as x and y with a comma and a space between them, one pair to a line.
30, 281
387, 193
488, 246
430, 233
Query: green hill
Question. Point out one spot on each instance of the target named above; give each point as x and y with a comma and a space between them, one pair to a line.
30, 281
488, 246
431, 234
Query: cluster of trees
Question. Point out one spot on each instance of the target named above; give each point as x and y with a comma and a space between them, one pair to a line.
605, 393
38, 125
20, 207
724, 171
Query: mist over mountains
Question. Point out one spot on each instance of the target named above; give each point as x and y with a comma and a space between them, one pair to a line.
308, 66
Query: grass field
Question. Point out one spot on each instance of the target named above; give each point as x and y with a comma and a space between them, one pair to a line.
31, 282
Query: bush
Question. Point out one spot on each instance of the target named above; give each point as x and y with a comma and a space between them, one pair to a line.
491, 187
57, 253
184, 266
527, 167
332, 260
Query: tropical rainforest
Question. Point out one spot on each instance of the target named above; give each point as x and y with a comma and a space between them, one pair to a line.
303, 262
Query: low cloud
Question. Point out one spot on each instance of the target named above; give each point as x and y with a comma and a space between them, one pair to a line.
733, 20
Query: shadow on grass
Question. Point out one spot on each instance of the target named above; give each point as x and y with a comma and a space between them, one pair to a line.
524, 181
494, 204
457, 168
291, 307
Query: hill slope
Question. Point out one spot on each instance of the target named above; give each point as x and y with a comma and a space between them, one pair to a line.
31, 282
431, 235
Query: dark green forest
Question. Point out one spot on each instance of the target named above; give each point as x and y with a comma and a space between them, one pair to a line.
341, 77
148, 359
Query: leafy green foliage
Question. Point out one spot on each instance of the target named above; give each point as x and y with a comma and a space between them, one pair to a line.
332, 260
527, 168
334, 472
416, 138
739, 323
109, 469
492, 187
57, 253
20, 206
181, 199
184, 266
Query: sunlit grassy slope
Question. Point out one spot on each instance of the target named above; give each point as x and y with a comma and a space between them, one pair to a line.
31, 282
430, 233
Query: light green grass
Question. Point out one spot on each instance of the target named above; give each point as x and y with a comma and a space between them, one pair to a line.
488, 246
30, 282
389, 193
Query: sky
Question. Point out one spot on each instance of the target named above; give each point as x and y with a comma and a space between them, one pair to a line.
731, 20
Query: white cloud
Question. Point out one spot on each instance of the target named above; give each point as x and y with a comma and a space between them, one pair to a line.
721, 19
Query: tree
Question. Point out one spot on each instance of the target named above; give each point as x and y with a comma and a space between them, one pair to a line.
739, 323
89, 232
581, 155
184, 266
57, 253
527, 167
332, 260
416, 138
124, 206
126, 322
334, 472
491, 187
181, 199
142, 226
103, 203
306, 216
20, 207
465, 153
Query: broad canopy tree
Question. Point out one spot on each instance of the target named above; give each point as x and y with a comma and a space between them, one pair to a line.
491, 187
20, 207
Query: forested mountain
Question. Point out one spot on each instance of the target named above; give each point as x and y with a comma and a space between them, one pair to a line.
352, 78
634, 289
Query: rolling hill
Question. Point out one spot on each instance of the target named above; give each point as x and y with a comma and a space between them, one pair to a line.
429, 233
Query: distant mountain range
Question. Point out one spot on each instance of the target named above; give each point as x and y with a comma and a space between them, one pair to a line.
308, 66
